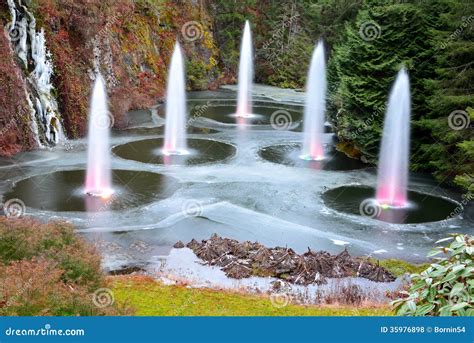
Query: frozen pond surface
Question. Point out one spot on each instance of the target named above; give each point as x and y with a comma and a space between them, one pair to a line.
243, 197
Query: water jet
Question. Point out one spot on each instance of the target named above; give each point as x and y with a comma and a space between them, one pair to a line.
98, 175
244, 97
394, 153
175, 126
315, 107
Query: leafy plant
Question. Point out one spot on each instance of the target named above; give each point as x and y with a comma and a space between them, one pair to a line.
446, 288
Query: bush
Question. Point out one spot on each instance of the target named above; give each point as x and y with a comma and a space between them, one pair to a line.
25, 239
446, 288
46, 269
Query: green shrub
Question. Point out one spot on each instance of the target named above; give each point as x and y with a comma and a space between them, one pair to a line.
47, 269
446, 288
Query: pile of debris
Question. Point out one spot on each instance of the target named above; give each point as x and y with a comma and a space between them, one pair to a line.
242, 260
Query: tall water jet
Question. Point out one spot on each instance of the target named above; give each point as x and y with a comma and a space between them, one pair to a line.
244, 99
394, 153
315, 107
98, 175
175, 126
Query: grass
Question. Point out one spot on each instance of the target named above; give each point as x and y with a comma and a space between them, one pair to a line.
150, 298
400, 267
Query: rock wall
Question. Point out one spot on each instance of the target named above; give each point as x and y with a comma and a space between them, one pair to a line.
129, 41
15, 117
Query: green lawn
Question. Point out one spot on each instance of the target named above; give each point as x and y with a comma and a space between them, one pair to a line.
150, 298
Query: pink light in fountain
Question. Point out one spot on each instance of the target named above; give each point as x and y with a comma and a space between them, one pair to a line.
394, 153
315, 107
98, 175
244, 97
175, 126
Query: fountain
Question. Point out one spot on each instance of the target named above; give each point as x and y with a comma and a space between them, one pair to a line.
315, 107
175, 126
394, 153
244, 100
98, 175
391, 199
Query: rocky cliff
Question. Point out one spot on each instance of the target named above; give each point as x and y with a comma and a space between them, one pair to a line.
52, 49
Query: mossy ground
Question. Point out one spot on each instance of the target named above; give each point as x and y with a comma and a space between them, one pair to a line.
148, 297
400, 267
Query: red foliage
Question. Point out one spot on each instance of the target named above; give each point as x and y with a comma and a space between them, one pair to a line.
15, 134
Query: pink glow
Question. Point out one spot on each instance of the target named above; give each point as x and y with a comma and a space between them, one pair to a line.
244, 96
316, 150
175, 126
315, 107
392, 180
98, 175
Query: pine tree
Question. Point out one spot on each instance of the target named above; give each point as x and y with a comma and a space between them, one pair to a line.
447, 145
383, 38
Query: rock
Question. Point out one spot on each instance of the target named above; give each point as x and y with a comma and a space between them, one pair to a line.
178, 245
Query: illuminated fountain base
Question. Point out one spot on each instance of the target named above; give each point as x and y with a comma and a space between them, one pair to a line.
359, 200
290, 155
264, 114
175, 152
63, 191
200, 151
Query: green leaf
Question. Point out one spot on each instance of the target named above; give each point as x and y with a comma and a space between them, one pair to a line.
459, 306
411, 306
434, 253
424, 309
444, 240
457, 288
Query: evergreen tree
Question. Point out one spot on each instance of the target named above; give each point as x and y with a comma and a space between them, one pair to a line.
446, 147
383, 38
